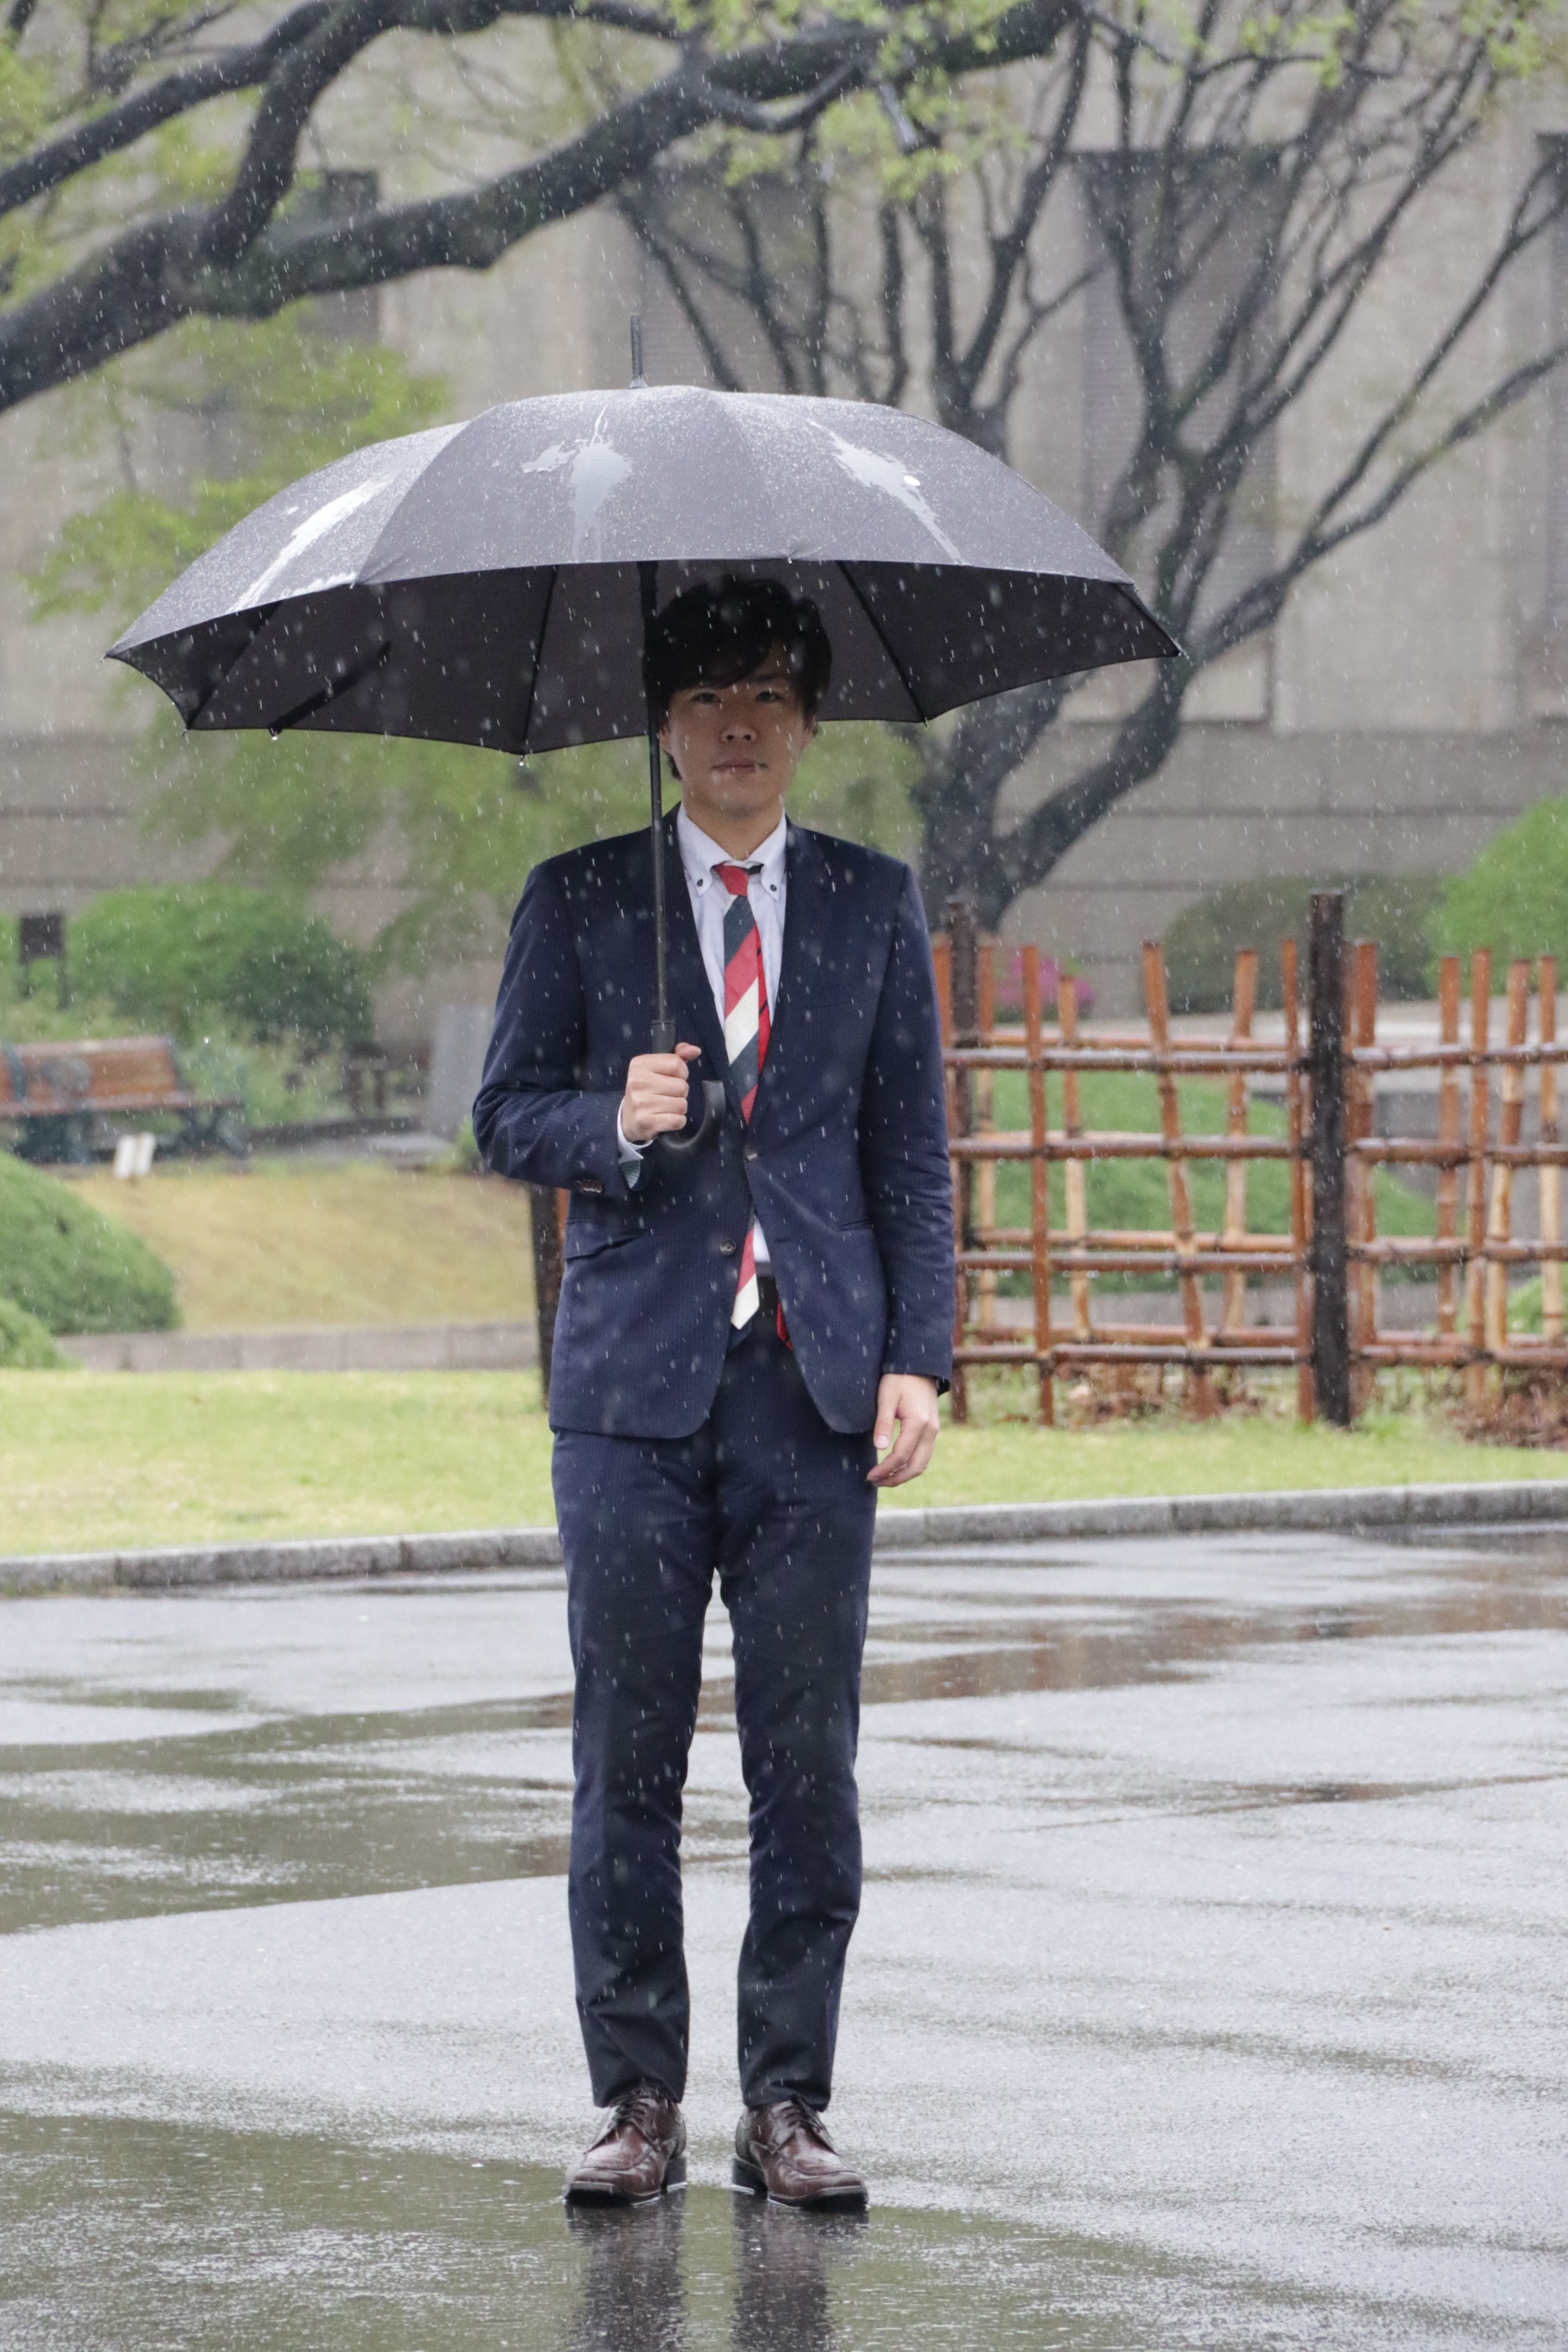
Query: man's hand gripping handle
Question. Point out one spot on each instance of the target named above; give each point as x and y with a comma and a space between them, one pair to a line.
654, 1105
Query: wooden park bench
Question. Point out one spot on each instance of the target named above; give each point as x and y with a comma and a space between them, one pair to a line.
66, 1099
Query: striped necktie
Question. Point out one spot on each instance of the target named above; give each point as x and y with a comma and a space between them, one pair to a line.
745, 1040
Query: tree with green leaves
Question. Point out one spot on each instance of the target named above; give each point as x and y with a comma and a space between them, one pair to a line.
468, 825
150, 155
874, 188
1225, 193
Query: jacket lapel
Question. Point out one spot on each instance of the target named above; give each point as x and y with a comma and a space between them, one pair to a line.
809, 913
690, 997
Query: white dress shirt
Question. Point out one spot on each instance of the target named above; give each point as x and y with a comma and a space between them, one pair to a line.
766, 893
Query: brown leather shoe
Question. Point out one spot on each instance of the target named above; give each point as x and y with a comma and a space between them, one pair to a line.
640, 2153
784, 2151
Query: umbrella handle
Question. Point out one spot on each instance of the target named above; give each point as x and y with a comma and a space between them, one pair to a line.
714, 1102
702, 1135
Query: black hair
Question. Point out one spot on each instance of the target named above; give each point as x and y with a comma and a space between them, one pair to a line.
718, 633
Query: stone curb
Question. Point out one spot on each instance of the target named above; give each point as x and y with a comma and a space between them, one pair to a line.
1301, 1511
320, 1559
326, 1348
1304, 1511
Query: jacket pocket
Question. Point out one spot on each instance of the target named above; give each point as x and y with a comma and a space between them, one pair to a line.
591, 1241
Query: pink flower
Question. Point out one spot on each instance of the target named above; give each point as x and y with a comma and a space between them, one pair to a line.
1010, 986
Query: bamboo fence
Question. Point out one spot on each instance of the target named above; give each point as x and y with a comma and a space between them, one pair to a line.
1326, 1066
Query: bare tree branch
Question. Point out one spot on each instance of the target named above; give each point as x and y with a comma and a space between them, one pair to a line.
241, 258
1238, 265
1261, 179
120, 127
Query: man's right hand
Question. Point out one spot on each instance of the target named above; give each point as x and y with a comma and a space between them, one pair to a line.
655, 1100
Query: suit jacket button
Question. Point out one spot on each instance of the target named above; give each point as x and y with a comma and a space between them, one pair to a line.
726, 1249
752, 1152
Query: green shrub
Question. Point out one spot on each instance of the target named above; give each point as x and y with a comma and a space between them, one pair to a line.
1527, 1307
1514, 898
1201, 945
192, 957
73, 1268
25, 1343
1130, 1195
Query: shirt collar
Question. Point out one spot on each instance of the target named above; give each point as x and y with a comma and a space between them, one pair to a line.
699, 853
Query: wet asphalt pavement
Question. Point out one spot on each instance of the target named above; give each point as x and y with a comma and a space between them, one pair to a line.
1211, 1986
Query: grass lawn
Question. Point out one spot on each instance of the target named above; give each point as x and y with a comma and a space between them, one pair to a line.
1124, 1194
89, 1460
279, 1243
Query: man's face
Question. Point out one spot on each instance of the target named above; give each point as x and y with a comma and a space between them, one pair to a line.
737, 747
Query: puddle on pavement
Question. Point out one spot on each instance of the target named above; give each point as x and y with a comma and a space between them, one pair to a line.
281, 1811
127, 2234
1036, 1644
203, 1801
119, 2235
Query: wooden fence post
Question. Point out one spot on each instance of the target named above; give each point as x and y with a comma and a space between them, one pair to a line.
1448, 1133
1201, 1396
547, 1216
1551, 1177
1331, 1286
1475, 1189
983, 1102
1244, 1000
1039, 1188
1075, 1175
963, 970
1511, 1129
1300, 1209
1360, 1197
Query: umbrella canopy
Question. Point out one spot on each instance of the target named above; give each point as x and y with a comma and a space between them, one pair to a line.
487, 583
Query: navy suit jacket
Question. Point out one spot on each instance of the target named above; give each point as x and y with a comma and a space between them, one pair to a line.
844, 1158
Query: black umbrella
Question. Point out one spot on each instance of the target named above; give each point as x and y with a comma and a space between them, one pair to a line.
484, 582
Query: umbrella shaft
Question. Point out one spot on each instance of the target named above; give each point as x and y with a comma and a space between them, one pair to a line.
663, 1027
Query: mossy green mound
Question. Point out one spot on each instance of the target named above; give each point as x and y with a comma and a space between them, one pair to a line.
192, 956
71, 1267
25, 1343
1201, 944
1513, 898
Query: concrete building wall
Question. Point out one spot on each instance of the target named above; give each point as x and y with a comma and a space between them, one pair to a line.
75, 780
1412, 697
1235, 802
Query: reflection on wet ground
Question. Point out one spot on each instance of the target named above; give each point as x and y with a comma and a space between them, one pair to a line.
1207, 1988
134, 2233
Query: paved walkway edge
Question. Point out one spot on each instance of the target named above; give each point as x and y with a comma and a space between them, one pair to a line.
326, 1348
1304, 1511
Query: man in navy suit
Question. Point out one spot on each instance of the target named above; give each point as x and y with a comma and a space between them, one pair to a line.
751, 1340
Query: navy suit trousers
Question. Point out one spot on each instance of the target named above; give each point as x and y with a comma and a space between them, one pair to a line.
775, 1501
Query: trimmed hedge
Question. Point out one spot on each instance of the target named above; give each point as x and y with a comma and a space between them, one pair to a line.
73, 1268
25, 1343
1201, 945
1513, 898
190, 958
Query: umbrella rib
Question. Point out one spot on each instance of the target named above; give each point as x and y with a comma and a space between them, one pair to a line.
330, 692
538, 658
881, 636
261, 620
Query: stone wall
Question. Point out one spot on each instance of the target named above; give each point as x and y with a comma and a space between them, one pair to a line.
1409, 703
